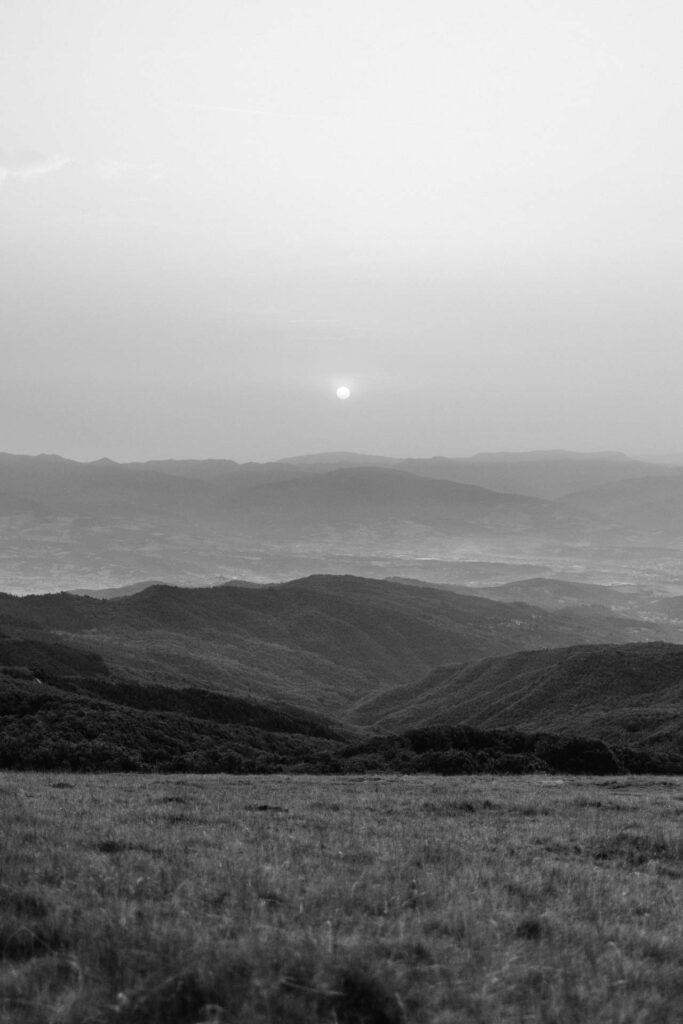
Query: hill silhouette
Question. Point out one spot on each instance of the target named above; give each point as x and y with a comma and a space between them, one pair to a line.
652, 504
318, 460
370, 504
541, 474
97, 525
112, 593
323, 643
553, 594
548, 593
102, 524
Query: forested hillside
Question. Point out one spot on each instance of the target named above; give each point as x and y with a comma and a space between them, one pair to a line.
322, 643
77, 724
629, 694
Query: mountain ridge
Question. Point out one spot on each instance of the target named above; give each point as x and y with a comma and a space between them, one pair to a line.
624, 693
322, 643
93, 525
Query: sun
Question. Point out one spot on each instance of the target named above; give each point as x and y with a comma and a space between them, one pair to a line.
343, 393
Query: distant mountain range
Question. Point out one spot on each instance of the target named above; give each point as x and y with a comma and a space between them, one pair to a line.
548, 475
540, 474
585, 598
65, 524
650, 505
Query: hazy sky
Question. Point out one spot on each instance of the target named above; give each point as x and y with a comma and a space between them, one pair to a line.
214, 212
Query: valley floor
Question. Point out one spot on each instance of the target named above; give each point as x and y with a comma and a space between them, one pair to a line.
355, 900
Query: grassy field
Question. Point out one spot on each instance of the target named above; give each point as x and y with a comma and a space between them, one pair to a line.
373, 900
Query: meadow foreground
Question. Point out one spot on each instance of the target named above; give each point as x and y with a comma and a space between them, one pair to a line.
355, 900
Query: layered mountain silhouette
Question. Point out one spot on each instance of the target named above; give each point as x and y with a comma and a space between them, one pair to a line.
385, 506
552, 594
541, 474
104, 524
322, 643
651, 504
203, 679
252, 498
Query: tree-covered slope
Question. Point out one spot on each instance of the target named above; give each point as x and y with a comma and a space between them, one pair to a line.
631, 694
323, 643
69, 726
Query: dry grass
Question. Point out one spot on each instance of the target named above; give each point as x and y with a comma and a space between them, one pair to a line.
374, 900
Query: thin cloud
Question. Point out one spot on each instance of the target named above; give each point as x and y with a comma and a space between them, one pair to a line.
28, 164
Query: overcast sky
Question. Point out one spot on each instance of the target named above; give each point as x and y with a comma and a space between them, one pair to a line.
215, 212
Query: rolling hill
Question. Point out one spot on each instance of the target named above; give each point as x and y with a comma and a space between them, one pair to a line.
553, 594
87, 724
81, 724
270, 678
323, 643
628, 694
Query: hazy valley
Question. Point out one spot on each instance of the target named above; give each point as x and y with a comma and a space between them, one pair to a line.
68, 525
375, 595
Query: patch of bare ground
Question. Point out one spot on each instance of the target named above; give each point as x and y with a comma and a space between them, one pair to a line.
340, 900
